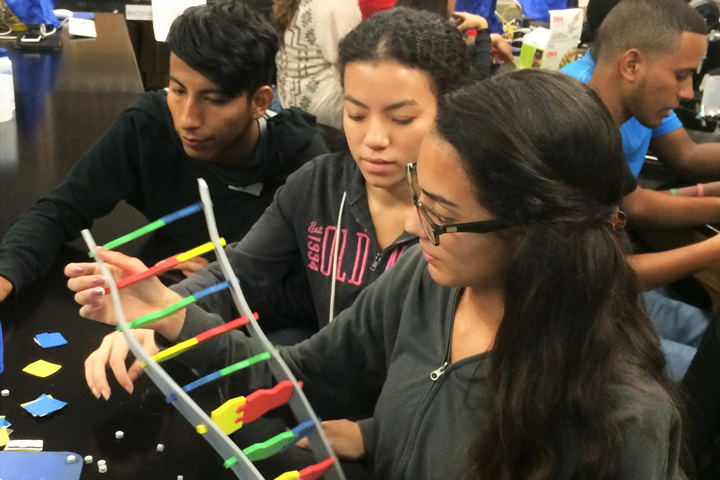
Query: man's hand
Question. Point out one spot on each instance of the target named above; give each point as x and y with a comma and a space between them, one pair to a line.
345, 439
113, 351
139, 299
6, 288
503, 50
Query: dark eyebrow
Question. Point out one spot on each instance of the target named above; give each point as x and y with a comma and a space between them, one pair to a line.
391, 107
440, 199
207, 90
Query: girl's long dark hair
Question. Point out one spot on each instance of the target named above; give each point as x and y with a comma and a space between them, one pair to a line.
543, 152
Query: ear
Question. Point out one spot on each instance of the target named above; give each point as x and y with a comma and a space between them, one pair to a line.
630, 64
261, 101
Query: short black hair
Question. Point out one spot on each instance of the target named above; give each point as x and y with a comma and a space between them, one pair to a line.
596, 12
413, 38
229, 42
649, 25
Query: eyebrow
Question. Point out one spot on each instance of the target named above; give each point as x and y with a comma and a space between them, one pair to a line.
440, 199
207, 90
389, 108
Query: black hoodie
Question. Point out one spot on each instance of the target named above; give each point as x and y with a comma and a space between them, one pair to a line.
141, 160
285, 263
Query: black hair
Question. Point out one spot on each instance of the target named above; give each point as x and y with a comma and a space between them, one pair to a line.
543, 152
596, 12
413, 38
228, 42
651, 26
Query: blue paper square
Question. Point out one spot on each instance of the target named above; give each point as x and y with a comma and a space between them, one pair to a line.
44, 405
4, 422
49, 340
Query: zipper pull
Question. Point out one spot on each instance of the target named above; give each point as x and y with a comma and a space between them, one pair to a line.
376, 261
435, 374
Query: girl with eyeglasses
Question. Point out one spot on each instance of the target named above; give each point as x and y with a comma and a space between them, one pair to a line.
516, 349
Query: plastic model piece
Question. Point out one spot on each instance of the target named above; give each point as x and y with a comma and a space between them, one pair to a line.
287, 391
88, 459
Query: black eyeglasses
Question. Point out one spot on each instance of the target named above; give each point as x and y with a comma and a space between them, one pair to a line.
432, 230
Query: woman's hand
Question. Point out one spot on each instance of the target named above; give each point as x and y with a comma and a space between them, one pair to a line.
468, 21
345, 439
189, 267
113, 351
141, 298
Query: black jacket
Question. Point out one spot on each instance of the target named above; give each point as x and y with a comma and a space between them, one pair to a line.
140, 159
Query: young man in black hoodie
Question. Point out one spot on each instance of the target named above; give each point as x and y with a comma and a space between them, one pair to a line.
212, 123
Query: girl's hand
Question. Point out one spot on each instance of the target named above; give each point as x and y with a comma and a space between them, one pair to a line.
141, 298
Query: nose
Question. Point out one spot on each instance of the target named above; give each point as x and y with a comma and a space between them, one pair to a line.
376, 137
686, 89
190, 115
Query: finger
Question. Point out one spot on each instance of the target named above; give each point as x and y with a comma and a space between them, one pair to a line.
94, 311
95, 366
128, 265
78, 284
89, 379
134, 372
80, 269
90, 295
303, 443
117, 362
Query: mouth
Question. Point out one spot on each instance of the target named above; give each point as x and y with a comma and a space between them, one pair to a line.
428, 258
193, 143
376, 161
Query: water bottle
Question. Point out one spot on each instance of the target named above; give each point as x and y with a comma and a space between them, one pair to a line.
7, 87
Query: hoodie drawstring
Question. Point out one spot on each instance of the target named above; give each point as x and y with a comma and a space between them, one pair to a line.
338, 233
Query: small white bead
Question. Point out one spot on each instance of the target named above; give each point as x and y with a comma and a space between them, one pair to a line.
102, 468
5, 392
71, 459
180, 477
101, 462
119, 434
88, 459
160, 447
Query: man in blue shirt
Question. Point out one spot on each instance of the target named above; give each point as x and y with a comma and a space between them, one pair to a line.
669, 140
642, 62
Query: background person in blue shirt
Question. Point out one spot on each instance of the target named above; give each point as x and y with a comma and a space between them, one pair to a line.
642, 62
669, 140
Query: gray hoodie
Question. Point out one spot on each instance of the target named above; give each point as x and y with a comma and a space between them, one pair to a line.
381, 352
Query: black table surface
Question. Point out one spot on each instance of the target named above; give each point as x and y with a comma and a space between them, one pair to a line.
64, 103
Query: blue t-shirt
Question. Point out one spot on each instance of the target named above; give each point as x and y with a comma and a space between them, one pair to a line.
636, 138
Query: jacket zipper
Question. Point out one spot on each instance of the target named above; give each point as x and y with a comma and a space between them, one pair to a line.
379, 256
436, 374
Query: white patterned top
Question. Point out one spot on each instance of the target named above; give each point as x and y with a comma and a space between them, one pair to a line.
307, 77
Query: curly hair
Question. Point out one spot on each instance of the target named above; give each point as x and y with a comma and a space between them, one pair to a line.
413, 38
229, 42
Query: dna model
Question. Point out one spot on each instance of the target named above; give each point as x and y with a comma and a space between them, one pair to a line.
230, 416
